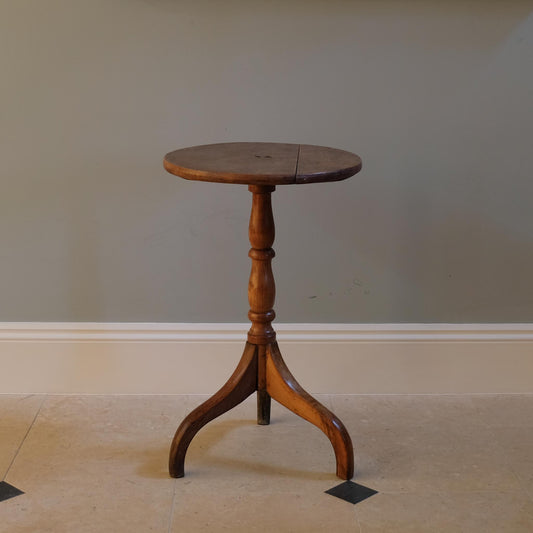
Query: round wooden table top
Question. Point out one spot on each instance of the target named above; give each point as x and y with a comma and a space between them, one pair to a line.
262, 163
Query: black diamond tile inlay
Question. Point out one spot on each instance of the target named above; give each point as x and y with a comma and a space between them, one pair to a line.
8, 491
351, 492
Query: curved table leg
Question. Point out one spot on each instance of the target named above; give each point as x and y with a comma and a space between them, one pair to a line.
239, 386
284, 388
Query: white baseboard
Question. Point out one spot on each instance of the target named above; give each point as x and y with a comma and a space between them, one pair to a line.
130, 358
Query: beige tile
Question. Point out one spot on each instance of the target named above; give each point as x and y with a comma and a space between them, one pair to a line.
505, 410
432, 458
17, 414
261, 457
517, 443
433, 443
95, 464
377, 411
239, 511
488, 512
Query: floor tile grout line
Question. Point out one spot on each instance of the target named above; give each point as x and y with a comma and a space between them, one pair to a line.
171, 515
24, 438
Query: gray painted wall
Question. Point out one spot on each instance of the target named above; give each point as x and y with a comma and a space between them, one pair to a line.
435, 95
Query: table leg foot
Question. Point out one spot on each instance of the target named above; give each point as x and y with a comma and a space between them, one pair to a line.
263, 398
263, 408
239, 386
283, 387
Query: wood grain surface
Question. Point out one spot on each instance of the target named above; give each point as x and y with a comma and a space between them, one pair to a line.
261, 284
262, 163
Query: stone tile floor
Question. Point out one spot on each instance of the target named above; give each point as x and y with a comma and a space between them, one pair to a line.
98, 464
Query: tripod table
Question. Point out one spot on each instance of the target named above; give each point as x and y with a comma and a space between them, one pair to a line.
262, 166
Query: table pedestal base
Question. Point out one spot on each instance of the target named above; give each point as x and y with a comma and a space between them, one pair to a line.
262, 369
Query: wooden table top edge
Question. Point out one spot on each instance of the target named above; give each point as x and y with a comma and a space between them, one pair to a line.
227, 177
293, 178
